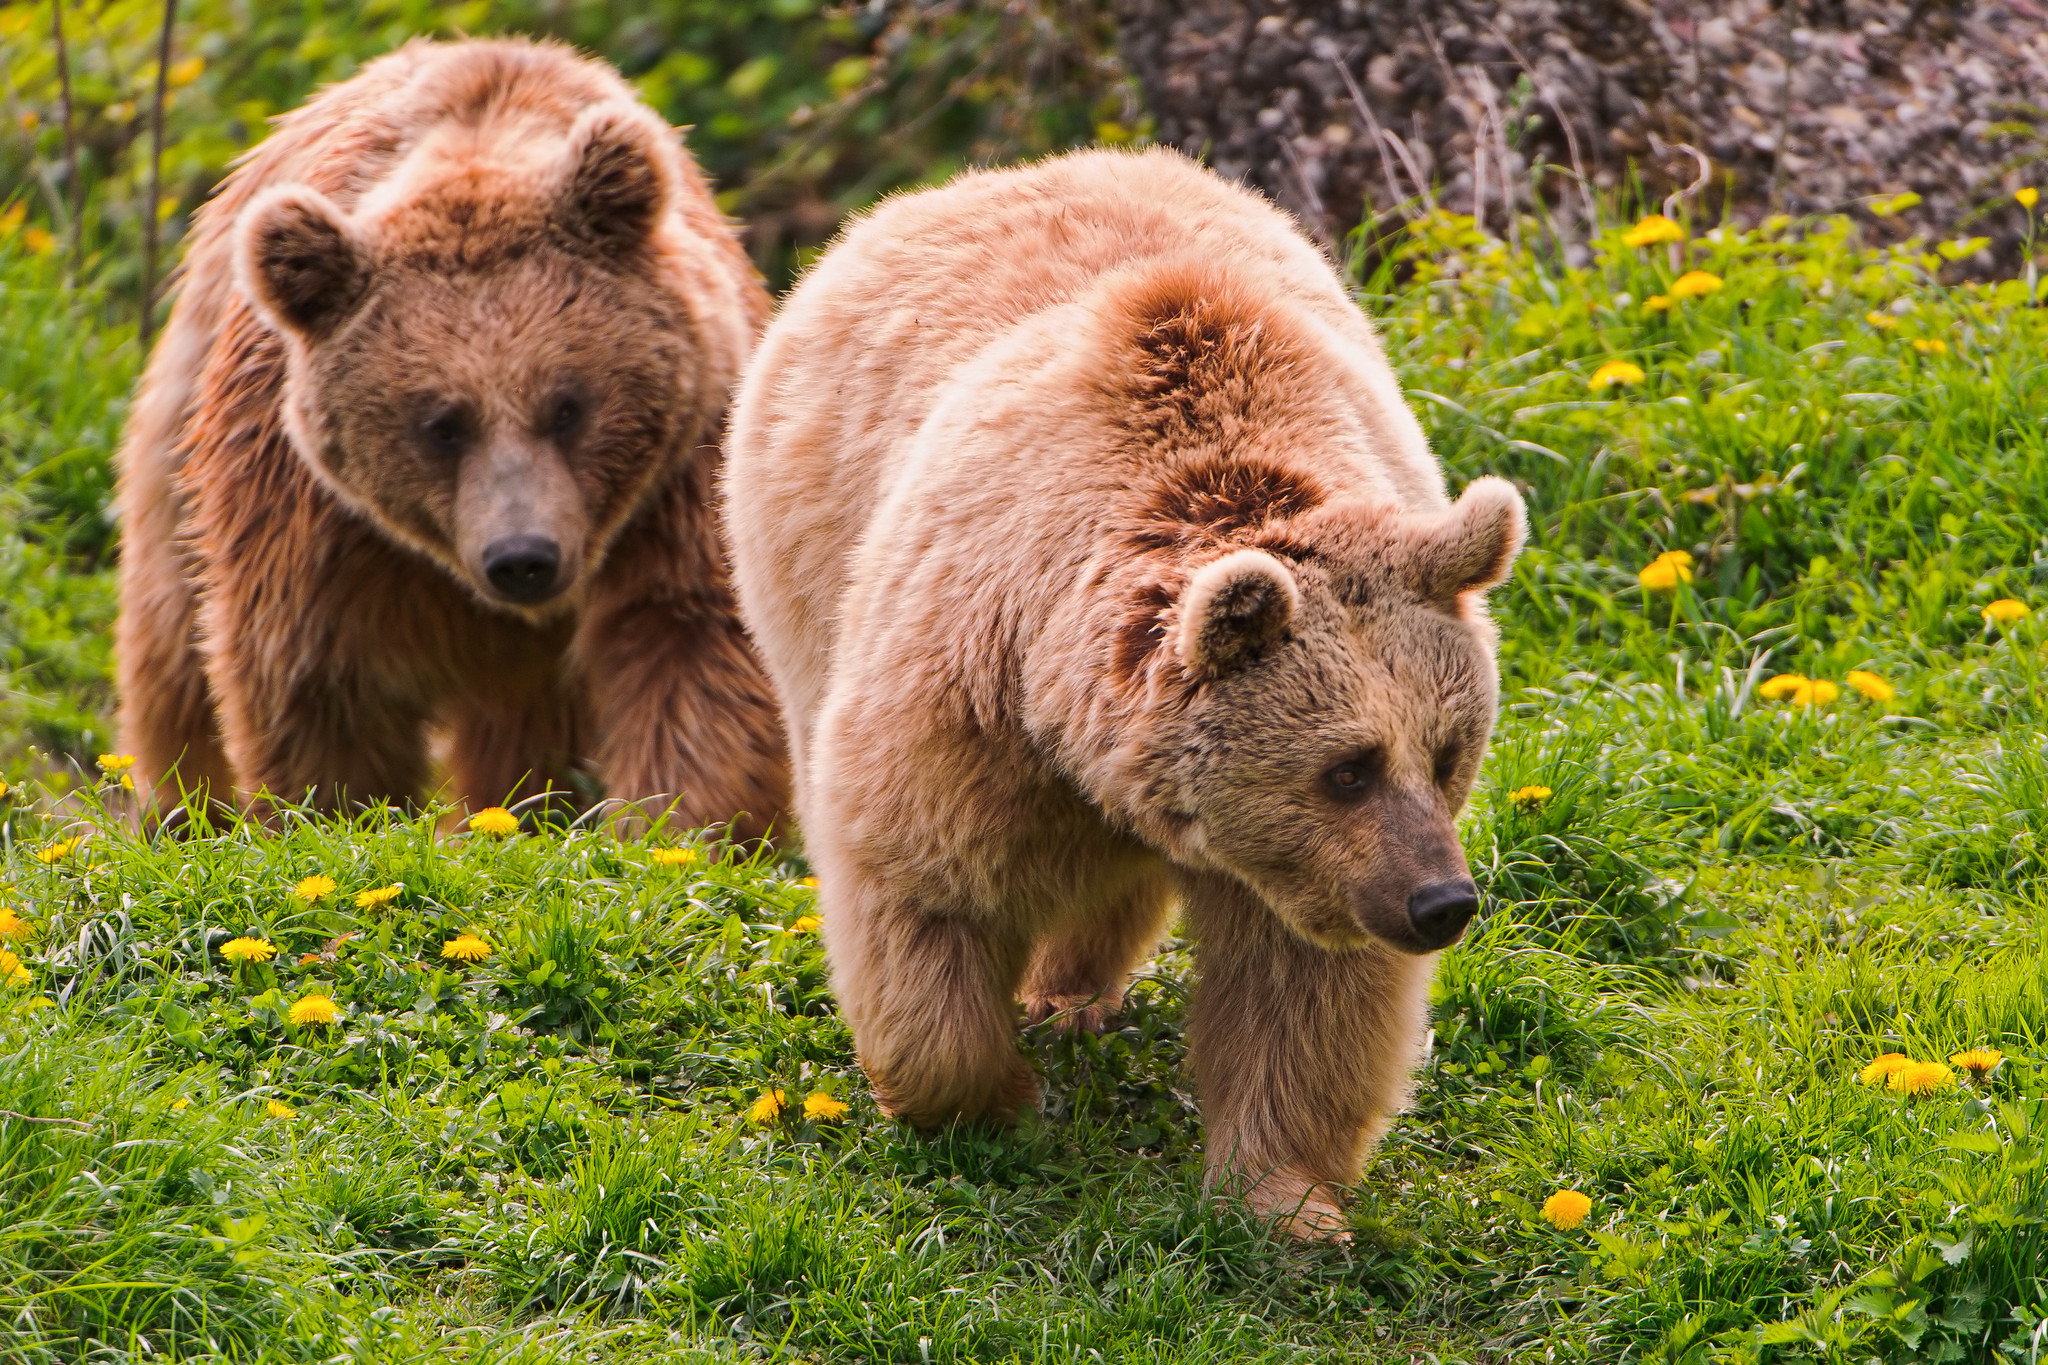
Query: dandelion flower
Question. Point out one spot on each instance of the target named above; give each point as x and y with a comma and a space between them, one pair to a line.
1783, 686
824, 1108
314, 1009
1820, 692
116, 763
2004, 611
4, 789
1694, 284
57, 852
1930, 345
1883, 322
1870, 685
180, 1104
1528, 798
1653, 231
2027, 197
1978, 1061
11, 970
1566, 1209
1658, 303
806, 924
465, 948
1919, 1078
378, 895
11, 923
1882, 1066
809, 883
494, 820
313, 888
1666, 571
767, 1108
245, 949
1615, 372
278, 1109
675, 857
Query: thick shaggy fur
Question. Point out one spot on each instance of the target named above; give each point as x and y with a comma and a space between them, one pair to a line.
1086, 535
476, 291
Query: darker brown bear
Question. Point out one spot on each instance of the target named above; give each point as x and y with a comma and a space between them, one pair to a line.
429, 443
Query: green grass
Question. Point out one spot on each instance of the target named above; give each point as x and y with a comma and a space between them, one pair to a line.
1724, 909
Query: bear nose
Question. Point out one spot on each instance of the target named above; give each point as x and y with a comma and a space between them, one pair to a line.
1441, 910
523, 568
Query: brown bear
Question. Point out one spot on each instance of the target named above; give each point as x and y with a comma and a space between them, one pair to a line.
1100, 565
429, 445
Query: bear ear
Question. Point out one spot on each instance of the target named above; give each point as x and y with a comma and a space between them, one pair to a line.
301, 262
1232, 609
1470, 547
617, 178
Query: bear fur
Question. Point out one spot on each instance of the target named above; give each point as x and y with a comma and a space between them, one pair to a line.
1100, 566
475, 297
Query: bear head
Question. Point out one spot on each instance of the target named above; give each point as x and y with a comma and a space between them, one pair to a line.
488, 356
1321, 700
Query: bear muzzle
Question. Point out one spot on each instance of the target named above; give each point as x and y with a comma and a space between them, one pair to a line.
525, 569
1439, 911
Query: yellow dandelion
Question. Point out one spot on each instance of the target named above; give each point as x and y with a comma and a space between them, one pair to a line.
278, 1109
11, 923
1930, 345
116, 763
1666, 571
2027, 197
313, 888
808, 883
1615, 372
2004, 611
1919, 1078
1659, 303
1528, 798
1870, 685
806, 924
767, 1108
4, 789
675, 857
239, 950
1883, 322
1694, 284
11, 970
465, 948
185, 72
1566, 1209
1978, 1061
1821, 692
494, 820
314, 1009
41, 1002
824, 1108
1882, 1066
180, 1105
1783, 686
39, 240
379, 895
57, 852
1654, 230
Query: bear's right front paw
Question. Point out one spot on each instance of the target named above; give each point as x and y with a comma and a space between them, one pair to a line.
994, 1096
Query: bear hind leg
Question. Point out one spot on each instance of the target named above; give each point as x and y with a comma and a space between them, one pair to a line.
1078, 973
929, 998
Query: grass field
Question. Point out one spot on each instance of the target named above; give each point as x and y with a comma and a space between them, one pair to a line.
1726, 902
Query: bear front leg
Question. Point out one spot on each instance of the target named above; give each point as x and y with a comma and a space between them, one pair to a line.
929, 998
325, 743
1078, 973
687, 721
502, 756
167, 713
1301, 1055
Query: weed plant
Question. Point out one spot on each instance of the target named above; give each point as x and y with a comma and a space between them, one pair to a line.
631, 1127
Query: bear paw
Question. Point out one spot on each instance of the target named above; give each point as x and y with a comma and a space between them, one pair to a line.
1071, 1013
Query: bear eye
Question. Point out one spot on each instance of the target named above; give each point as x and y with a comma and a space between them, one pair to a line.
447, 432
1447, 760
565, 416
1353, 778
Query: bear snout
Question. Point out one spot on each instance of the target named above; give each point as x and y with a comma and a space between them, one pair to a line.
1439, 911
525, 568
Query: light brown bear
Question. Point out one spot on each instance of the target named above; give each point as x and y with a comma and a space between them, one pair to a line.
1099, 563
429, 441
